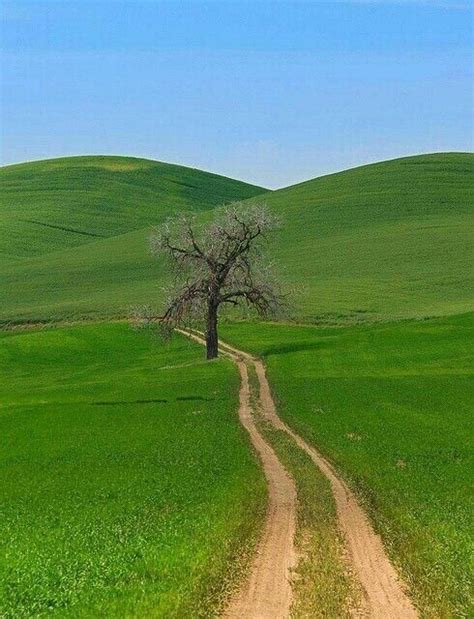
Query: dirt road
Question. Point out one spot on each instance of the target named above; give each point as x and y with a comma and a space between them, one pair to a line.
267, 593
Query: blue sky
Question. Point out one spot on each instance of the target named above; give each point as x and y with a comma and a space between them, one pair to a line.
270, 92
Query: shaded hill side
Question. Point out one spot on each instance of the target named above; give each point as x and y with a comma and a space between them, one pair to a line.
391, 240
59, 203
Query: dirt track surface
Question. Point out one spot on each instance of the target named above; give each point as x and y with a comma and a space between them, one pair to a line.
267, 594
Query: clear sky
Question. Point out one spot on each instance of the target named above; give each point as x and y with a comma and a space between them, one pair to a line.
272, 92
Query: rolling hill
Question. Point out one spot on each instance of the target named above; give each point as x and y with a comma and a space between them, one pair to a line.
382, 241
385, 241
61, 203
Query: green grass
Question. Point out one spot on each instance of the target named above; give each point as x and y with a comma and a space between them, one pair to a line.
64, 203
390, 405
100, 280
127, 486
321, 584
387, 403
387, 241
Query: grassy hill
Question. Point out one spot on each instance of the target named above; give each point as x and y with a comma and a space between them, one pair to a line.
389, 240
61, 203
384, 241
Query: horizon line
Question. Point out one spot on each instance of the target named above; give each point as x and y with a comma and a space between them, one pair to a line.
183, 165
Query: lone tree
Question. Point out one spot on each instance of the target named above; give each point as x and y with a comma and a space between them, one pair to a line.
221, 263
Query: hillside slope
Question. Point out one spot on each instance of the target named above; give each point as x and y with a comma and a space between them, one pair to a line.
385, 241
59, 203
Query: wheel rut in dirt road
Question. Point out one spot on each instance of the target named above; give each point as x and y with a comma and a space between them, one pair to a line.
384, 593
266, 594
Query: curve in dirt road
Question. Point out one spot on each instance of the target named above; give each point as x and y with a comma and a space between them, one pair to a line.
385, 597
266, 594
384, 593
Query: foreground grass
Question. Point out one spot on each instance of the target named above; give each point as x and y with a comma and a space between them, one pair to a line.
127, 487
321, 584
390, 406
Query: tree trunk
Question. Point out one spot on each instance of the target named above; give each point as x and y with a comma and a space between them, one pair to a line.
211, 333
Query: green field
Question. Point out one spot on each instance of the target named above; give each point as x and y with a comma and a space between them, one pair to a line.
388, 240
127, 486
390, 406
63, 203
384, 241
